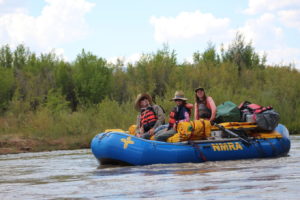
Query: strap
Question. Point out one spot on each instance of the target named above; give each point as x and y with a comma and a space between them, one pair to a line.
192, 133
203, 123
198, 151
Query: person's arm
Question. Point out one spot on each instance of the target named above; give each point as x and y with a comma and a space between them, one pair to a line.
137, 129
196, 114
160, 116
213, 108
186, 116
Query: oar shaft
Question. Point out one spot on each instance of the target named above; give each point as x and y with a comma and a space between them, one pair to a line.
231, 133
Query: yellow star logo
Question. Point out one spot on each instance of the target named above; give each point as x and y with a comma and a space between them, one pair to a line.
126, 142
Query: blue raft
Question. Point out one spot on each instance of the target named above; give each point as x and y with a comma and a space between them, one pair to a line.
122, 148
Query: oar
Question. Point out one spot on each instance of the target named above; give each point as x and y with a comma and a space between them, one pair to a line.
232, 133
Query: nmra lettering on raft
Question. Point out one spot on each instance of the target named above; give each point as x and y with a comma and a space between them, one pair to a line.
229, 146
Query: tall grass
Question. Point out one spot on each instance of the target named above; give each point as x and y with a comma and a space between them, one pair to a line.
80, 126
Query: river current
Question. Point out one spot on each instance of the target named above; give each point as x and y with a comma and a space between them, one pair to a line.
76, 174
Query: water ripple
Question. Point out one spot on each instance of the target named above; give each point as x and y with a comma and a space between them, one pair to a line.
76, 175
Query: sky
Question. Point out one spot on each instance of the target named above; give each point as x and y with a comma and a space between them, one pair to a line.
127, 29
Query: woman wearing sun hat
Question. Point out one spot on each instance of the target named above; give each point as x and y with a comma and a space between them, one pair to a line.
178, 114
150, 117
205, 106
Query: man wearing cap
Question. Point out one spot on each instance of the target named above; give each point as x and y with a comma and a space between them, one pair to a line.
150, 117
205, 106
180, 113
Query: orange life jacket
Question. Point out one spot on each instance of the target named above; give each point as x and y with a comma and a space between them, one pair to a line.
148, 118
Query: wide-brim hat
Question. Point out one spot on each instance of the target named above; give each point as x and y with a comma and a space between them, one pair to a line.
199, 88
138, 99
179, 95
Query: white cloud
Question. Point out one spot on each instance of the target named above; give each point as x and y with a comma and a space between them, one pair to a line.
290, 18
133, 58
59, 22
114, 60
189, 59
260, 6
187, 25
262, 31
287, 11
60, 52
268, 37
125, 59
267, 31
284, 56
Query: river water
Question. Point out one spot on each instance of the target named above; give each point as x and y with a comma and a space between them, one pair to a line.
77, 175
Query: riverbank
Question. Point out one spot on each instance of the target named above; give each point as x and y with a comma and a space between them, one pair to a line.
44, 130
19, 144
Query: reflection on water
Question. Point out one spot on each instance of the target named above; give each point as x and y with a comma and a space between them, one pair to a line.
201, 189
77, 175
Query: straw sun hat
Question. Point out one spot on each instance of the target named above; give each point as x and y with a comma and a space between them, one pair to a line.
179, 95
140, 97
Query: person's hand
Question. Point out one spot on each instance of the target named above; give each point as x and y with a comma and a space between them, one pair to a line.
142, 131
139, 135
151, 131
174, 127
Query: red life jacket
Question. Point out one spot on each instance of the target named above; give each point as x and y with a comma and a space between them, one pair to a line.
255, 108
148, 118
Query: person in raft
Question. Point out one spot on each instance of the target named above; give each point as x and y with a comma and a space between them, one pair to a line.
205, 106
181, 112
150, 117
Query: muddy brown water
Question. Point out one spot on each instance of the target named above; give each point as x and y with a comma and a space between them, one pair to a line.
76, 175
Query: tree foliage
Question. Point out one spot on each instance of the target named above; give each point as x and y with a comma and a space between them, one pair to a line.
31, 83
92, 78
242, 54
6, 87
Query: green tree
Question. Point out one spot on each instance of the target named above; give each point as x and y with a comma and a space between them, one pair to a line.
209, 57
55, 102
92, 78
35, 80
242, 54
6, 57
120, 84
65, 82
6, 87
21, 55
152, 73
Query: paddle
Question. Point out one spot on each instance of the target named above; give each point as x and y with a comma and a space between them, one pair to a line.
246, 142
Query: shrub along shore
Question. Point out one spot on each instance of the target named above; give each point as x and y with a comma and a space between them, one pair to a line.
47, 103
